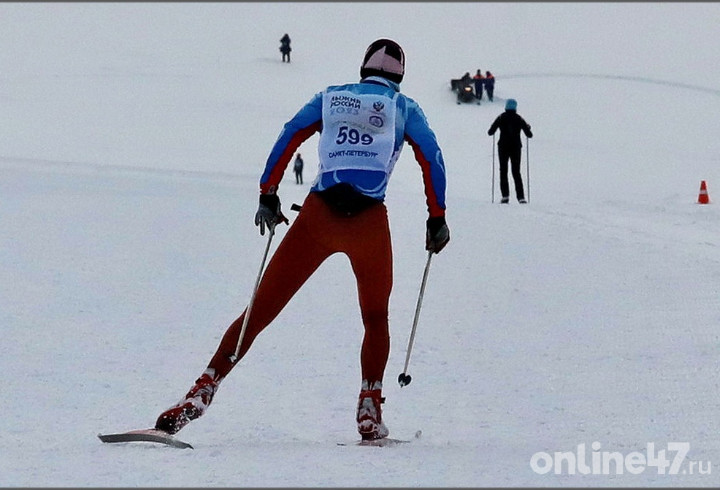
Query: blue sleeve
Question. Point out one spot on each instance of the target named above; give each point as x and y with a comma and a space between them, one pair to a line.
428, 155
304, 124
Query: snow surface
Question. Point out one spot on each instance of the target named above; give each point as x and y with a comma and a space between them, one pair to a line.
132, 138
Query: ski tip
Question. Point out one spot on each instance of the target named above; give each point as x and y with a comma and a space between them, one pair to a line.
145, 435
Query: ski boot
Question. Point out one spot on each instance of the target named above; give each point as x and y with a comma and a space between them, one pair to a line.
192, 406
369, 412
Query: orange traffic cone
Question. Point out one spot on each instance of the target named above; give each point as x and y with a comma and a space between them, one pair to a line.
703, 196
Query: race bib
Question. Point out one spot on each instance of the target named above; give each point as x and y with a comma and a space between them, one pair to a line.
358, 132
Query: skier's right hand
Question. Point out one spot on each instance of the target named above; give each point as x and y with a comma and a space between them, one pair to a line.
269, 213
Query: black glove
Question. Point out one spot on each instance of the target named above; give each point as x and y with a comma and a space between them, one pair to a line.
437, 235
268, 213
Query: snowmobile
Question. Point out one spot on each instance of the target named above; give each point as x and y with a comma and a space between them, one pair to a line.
465, 93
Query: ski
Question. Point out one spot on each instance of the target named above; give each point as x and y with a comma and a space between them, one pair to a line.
384, 442
145, 435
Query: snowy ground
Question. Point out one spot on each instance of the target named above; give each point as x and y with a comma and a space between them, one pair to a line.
132, 138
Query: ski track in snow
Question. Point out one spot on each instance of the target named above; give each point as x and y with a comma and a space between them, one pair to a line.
624, 78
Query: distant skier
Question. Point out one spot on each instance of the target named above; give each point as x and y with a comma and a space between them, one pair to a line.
285, 48
509, 145
363, 127
298, 169
489, 85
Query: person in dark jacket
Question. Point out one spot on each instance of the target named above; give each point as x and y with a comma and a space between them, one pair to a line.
298, 168
479, 83
510, 123
285, 48
489, 85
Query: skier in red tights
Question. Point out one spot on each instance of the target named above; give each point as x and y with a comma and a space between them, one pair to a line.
363, 127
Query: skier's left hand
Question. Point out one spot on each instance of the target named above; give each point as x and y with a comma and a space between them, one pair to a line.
437, 234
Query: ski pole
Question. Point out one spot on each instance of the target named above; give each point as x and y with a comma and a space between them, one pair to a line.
493, 170
404, 379
527, 164
234, 356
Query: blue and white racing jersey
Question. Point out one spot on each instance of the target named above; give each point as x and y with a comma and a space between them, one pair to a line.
363, 127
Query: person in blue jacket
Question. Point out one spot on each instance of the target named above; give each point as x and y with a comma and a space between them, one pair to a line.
363, 127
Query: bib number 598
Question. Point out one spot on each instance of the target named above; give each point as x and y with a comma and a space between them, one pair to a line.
352, 136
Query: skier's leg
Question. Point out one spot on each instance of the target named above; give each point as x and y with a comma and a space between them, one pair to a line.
371, 260
296, 258
503, 157
516, 173
299, 254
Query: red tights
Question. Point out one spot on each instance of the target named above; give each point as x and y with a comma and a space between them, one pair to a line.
317, 233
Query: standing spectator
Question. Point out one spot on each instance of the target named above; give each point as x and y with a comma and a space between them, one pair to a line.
285, 48
489, 85
510, 123
298, 169
344, 213
479, 82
